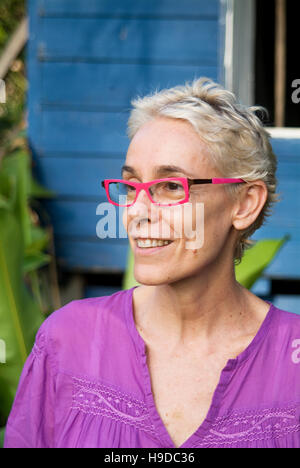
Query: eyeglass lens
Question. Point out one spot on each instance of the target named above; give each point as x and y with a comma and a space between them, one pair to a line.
166, 192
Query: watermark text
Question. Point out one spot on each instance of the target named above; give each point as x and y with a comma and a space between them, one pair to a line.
2, 352
185, 221
296, 93
2, 92
296, 353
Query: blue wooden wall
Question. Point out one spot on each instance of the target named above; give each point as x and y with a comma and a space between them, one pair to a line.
86, 60
285, 218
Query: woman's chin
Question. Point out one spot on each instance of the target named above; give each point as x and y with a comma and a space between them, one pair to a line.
150, 278
146, 281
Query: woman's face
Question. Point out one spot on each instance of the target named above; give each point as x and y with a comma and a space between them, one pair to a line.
200, 232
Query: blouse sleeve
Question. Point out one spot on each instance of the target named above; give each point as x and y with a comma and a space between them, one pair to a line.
31, 420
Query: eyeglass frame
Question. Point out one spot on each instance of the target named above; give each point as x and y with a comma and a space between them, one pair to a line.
187, 183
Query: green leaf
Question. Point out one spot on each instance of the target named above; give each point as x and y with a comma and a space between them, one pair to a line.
33, 262
2, 434
256, 259
8, 191
36, 190
4, 203
17, 165
20, 316
39, 240
129, 280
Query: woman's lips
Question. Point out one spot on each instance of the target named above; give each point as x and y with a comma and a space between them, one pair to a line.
145, 247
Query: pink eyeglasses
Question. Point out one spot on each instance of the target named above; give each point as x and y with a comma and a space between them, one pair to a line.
164, 192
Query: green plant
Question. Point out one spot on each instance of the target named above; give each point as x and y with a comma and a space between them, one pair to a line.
11, 12
2, 432
11, 112
23, 251
24, 243
256, 259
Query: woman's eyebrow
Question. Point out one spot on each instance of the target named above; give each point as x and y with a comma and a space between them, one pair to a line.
159, 170
170, 169
129, 169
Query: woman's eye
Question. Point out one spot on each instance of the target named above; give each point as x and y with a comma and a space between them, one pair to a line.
128, 186
173, 186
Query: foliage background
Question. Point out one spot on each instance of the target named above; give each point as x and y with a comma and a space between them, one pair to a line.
26, 240
11, 113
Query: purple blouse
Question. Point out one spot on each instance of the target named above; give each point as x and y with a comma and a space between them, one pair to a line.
86, 384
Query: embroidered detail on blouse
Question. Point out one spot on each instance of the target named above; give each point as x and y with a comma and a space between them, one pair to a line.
100, 399
252, 426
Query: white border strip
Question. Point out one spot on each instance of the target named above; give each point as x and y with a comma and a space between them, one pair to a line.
282, 132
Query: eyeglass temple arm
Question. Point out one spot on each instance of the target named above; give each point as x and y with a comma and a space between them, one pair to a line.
215, 180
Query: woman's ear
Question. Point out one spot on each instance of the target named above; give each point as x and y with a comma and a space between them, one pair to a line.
249, 204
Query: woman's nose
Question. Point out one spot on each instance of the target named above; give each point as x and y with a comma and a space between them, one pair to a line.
143, 199
141, 209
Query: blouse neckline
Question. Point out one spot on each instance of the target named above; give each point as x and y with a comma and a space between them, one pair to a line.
225, 377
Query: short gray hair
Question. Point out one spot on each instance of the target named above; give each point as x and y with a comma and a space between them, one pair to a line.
238, 143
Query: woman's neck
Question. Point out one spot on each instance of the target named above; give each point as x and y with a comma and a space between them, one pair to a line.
197, 310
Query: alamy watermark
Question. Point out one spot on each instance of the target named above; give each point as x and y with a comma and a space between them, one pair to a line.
296, 93
2, 92
184, 221
296, 353
2, 352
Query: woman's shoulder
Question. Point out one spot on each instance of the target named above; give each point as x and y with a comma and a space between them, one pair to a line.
285, 334
79, 320
285, 320
92, 305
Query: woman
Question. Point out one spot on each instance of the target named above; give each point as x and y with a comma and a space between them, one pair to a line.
190, 358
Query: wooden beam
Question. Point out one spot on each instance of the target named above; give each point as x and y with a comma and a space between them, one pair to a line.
280, 62
14, 47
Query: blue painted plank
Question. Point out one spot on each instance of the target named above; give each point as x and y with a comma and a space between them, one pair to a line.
77, 177
262, 287
90, 86
85, 255
286, 147
127, 7
288, 170
129, 40
291, 303
99, 291
286, 264
33, 74
83, 131
86, 219
271, 231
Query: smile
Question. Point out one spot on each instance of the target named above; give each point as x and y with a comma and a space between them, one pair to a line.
147, 243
